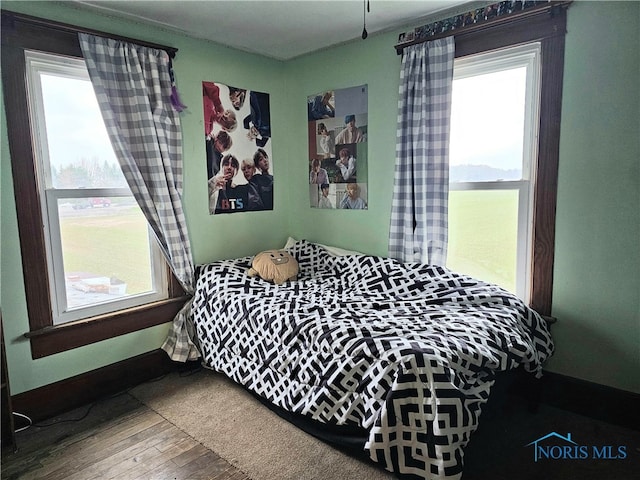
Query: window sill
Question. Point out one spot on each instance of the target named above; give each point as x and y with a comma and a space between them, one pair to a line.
67, 336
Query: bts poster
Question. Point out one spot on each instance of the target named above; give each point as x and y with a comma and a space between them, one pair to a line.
237, 130
337, 121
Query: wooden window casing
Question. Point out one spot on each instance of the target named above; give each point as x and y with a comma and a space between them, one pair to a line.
546, 24
20, 33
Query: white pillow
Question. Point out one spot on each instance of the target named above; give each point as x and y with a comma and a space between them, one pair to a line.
290, 242
335, 251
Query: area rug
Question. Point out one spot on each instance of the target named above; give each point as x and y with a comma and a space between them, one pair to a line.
227, 419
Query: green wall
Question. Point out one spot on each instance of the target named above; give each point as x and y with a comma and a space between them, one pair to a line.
597, 268
596, 293
222, 236
373, 62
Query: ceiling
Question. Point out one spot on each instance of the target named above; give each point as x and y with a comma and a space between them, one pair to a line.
280, 29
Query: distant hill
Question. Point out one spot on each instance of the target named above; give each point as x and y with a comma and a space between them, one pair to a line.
481, 173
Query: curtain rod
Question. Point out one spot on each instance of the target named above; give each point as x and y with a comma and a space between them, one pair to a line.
546, 6
64, 27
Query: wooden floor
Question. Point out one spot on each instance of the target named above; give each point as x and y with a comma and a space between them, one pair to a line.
118, 438
121, 438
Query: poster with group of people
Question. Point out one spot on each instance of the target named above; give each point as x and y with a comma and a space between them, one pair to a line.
337, 121
237, 130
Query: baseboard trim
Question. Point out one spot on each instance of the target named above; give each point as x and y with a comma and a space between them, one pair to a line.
609, 404
593, 400
59, 397
601, 402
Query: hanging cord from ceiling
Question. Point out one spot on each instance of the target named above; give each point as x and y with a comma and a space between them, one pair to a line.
365, 8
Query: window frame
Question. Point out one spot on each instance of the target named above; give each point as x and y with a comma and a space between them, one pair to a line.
20, 33
39, 63
546, 24
528, 56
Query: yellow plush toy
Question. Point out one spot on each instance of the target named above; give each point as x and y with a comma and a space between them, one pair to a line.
274, 265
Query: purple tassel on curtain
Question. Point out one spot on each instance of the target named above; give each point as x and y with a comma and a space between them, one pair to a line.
175, 97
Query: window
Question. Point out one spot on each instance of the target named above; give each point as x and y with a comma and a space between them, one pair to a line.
493, 152
92, 269
100, 253
544, 24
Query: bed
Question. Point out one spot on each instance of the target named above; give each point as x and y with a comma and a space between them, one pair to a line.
407, 353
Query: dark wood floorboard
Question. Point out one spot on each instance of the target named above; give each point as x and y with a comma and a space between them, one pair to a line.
116, 438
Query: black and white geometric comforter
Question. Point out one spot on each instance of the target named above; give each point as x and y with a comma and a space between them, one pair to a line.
407, 351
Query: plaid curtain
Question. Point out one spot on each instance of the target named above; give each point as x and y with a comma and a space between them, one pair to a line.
418, 229
133, 86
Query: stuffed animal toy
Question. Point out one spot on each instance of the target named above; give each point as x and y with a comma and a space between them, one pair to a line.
274, 265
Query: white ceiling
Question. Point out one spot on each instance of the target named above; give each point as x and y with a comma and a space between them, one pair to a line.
280, 29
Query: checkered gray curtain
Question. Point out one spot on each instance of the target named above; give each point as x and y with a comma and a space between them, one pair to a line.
133, 87
418, 229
